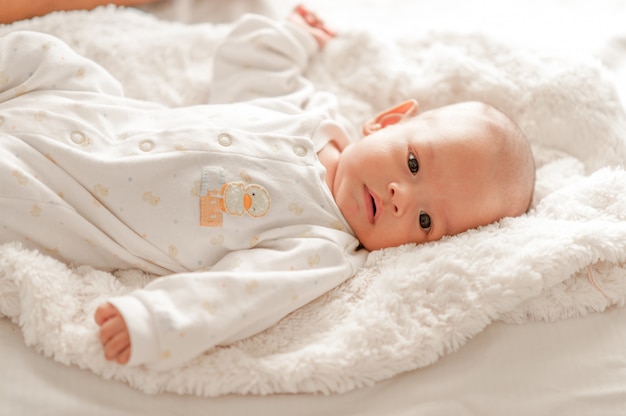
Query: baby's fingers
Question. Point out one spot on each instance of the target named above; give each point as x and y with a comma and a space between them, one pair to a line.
110, 328
104, 313
115, 339
117, 348
124, 356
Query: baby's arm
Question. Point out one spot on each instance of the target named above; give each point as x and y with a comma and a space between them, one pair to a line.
113, 333
175, 318
263, 58
32, 61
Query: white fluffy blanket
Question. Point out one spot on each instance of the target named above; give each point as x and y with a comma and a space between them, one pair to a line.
410, 305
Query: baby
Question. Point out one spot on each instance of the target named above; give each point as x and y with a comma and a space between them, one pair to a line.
249, 207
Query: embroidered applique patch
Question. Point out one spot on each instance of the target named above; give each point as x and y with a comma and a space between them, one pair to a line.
218, 197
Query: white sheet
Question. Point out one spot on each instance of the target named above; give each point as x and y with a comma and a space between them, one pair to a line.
587, 38
575, 367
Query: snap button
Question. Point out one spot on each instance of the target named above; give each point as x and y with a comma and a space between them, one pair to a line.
224, 139
77, 137
299, 150
146, 145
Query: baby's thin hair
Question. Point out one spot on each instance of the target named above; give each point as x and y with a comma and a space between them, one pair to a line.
519, 169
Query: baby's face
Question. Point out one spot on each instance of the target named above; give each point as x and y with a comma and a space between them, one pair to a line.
421, 179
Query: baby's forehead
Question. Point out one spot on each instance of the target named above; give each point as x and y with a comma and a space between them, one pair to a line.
476, 111
462, 121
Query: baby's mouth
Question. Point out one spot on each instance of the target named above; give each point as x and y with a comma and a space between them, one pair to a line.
373, 206
370, 201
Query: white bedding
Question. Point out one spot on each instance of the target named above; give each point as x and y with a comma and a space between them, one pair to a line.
573, 367
567, 103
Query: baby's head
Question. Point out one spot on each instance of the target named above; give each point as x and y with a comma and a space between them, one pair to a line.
439, 173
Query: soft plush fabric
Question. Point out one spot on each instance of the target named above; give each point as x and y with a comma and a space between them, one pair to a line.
409, 305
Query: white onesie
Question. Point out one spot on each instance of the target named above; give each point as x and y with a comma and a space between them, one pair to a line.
226, 201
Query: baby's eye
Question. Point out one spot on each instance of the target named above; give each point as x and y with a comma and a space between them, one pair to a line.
413, 164
424, 221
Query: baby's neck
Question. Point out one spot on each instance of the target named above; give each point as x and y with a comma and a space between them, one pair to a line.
329, 157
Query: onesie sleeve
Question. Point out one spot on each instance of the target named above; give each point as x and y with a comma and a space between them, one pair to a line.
177, 317
32, 61
262, 58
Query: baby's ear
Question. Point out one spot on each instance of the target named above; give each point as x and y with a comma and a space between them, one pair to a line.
391, 116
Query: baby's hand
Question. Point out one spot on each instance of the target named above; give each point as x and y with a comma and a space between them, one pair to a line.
314, 25
113, 333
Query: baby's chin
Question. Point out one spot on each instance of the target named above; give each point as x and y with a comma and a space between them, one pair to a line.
365, 242
373, 244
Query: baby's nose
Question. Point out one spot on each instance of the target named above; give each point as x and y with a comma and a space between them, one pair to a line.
398, 199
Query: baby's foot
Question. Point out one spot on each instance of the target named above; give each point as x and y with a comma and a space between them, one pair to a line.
312, 24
